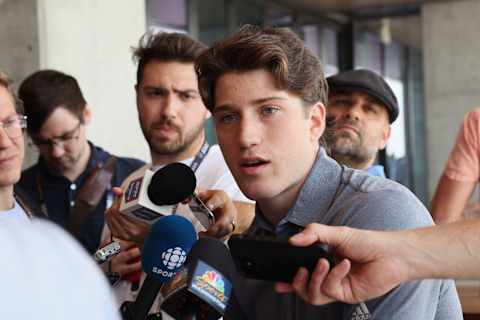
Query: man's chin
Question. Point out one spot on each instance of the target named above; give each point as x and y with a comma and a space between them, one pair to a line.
163, 149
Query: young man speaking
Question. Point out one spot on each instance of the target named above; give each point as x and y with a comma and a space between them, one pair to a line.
267, 94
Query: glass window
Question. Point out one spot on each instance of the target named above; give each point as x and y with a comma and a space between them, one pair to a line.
167, 15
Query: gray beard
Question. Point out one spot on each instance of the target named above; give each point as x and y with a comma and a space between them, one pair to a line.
353, 151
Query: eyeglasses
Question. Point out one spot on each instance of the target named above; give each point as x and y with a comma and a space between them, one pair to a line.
14, 126
61, 141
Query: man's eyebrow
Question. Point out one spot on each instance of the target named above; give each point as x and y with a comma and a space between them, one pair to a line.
185, 90
147, 87
267, 99
227, 107
373, 100
222, 108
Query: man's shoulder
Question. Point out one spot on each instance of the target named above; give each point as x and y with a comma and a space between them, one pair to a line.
28, 177
126, 166
378, 203
363, 182
131, 164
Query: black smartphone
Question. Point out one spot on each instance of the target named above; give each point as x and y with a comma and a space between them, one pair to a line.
201, 212
273, 259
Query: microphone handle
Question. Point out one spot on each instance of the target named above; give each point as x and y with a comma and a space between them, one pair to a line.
191, 311
147, 295
126, 310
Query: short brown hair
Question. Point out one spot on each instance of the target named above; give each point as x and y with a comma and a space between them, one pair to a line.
7, 84
46, 90
166, 47
278, 50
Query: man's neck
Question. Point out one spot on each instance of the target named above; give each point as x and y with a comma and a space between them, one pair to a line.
276, 208
81, 164
349, 162
190, 152
6, 198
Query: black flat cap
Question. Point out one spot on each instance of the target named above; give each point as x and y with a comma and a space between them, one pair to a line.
368, 82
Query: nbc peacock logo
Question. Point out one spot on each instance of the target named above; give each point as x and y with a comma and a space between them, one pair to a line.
215, 280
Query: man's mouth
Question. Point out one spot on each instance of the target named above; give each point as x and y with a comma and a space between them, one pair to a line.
347, 127
253, 163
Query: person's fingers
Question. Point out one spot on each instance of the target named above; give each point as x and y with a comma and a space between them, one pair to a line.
300, 283
314, 293
117, 191
333, 282
125, 245
314, 232
127, 255
224, 211
127, 228
282, 287
131, 267
213, 199
116, 228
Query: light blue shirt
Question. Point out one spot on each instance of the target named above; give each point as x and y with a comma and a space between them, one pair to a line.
377, 170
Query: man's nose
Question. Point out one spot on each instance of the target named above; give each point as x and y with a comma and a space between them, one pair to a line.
5, 140
170, 106
249, 133
57, 150
354, 112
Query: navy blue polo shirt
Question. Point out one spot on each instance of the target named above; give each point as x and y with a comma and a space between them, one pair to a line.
59, 193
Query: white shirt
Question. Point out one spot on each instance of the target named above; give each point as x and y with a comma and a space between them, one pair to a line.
212, 174
47, 275
16, 214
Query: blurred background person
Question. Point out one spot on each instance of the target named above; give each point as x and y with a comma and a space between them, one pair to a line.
48, 276
461, 174
12, 126
361, 106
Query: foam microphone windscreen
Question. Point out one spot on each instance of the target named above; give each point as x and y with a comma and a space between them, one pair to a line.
213, 252
204, 287
172, 184
167, 246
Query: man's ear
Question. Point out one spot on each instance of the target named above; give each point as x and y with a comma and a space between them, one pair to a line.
87, 115
208, 114
317, 121
387, 131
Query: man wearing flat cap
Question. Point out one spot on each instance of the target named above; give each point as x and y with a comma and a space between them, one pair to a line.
361, 107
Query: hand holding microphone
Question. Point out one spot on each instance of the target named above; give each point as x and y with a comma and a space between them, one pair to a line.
124, 227
170, 185
203, 289
220, 204
163, 254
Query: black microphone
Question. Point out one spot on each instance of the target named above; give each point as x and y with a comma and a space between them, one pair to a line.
150, 195
203, 288
163, 254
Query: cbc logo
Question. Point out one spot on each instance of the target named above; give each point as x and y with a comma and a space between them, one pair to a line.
174, 258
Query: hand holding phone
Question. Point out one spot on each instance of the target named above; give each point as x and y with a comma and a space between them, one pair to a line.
272, 259
201, 211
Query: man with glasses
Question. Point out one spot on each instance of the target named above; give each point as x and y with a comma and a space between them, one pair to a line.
65, 176
12, 124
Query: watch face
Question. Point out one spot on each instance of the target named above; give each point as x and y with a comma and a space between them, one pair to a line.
113, 277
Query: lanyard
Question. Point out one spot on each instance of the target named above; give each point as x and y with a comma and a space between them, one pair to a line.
199, 157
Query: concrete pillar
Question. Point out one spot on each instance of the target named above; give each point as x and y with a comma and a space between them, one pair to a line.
92, 40
19, 44
452, 75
